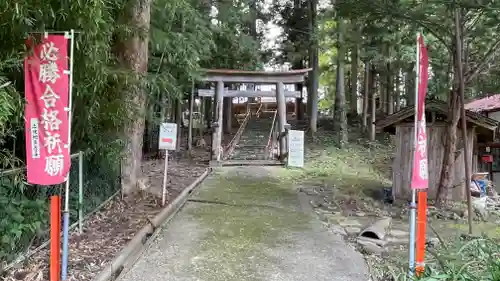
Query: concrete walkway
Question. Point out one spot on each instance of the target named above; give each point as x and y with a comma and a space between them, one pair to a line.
246, 225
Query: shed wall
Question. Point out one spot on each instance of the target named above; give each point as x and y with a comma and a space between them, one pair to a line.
435, 144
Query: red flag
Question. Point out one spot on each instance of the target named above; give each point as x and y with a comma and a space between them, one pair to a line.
46, 86
420, 175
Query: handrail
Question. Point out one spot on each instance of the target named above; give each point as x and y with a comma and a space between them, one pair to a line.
269, 139
259, 110
232, 144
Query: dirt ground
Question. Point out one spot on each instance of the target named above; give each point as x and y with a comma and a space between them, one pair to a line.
347, 190
108, 230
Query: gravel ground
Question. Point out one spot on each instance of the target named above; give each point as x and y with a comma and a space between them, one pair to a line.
245, 224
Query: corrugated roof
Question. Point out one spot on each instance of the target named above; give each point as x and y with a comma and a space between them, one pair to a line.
437, 106
485, 104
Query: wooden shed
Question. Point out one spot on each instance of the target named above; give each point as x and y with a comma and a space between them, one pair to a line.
401, 124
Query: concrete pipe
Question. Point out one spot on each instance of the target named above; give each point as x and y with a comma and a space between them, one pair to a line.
378, 230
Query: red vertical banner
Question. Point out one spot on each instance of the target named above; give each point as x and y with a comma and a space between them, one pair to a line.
420, 175
46, 87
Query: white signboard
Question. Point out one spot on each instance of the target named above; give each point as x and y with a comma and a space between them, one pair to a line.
296, 148
168, 136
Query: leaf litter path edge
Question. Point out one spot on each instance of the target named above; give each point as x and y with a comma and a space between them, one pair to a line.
108, 230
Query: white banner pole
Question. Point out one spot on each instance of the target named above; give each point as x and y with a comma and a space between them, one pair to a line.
413, 205
64, 271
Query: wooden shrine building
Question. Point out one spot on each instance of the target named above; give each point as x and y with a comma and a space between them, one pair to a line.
221, 77
479, 129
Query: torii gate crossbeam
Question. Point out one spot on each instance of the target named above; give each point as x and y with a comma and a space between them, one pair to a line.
278, 78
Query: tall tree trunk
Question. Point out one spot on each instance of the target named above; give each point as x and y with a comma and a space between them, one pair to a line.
397, 91
227, 115
450, 148
461, 85
445, 180
353, 100
253, 34
340, 99
299, 102
178, 121
314, 57
382, 91
366, 96
207, 111
389, 90
299, 64
373, 100
133, 54
410, 85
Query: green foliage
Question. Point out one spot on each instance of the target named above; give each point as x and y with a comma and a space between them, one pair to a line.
294, 42
24, 209
22, 216
395, 23
182, 40
475, 260
233, 32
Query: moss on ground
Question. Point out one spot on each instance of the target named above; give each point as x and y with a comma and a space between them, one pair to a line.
247, 190
239, 234
353, 170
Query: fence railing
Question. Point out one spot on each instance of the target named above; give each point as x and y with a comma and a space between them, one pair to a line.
271, 140
232, 144
24, 208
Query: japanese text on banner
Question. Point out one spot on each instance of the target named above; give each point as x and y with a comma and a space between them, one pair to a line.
420, 175
46, 113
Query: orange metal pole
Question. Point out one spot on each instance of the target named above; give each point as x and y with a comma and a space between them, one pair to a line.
421, 231
55, 245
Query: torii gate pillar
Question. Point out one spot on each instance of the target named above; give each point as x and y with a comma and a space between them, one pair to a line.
281, 107
217, 125
242, 76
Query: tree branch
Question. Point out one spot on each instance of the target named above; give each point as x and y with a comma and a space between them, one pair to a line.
489, 55
428, 26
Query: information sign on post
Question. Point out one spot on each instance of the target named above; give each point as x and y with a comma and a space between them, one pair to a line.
167, 141
168, 136
295, 148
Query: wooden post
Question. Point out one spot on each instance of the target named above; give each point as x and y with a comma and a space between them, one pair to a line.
190, 126
217, 131
281, 108
227, 115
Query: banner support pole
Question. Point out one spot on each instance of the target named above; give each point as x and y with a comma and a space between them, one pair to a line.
413, 206
55, 245
64, 271
80, 192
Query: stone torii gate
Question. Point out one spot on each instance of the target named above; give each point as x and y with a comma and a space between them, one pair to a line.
278, 78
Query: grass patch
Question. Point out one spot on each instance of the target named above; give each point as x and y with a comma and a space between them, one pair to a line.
358, 168
489, 229
476, 260
236, 189
239, 235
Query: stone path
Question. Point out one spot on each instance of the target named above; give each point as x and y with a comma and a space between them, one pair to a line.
244, 224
